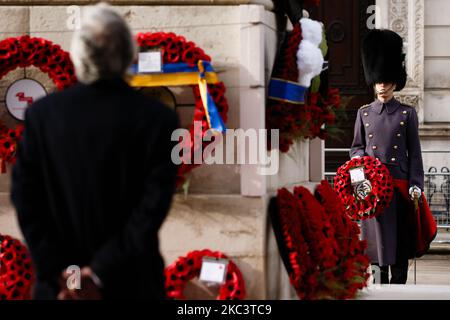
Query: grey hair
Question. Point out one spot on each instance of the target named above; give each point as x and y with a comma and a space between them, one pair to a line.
103, 47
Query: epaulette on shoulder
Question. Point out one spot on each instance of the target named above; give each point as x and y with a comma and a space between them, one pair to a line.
365, 106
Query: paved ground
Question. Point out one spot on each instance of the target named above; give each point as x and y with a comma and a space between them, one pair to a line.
405, 292
431, 269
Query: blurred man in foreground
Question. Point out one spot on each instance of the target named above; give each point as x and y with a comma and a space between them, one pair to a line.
94, 179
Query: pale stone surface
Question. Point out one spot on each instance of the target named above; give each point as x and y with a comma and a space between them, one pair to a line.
151, 18
215, 179
50, 19
10, 77
437, 79
437, 73
41, 77
437, 160
436, 12
437, 106
270, 48
405, 292
437, 42
233, 99
5, 180
62, 38
268, 4
6, 118
252, 117
8, 221
14, 19
316, 159
294, 166
434, 130
162, 17
229, 222
430, 270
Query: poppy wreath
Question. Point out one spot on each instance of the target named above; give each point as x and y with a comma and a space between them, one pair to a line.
187, 268
22, 52
319, 243
8, 144
382, 188
16, 270
295, 121
175, 49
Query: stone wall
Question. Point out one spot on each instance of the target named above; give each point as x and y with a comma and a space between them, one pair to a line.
437, 61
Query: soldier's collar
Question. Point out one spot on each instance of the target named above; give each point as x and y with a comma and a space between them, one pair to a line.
391, 106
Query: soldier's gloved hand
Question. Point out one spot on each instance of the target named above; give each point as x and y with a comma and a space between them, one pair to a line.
415, 192
363, 189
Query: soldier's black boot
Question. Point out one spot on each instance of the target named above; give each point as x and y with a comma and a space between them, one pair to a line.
399, 272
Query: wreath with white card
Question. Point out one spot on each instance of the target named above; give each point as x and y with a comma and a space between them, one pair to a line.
184, 269
374, 202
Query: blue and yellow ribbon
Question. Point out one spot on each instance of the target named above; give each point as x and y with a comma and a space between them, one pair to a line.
215, 122
286, 91
181, 74
173, 74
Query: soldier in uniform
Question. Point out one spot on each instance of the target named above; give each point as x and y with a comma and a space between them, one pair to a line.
388, 130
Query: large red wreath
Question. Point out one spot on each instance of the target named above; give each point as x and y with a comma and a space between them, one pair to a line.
24, 52
16, 270
187, 268
175, 49
319, 243
293, 120
382, 188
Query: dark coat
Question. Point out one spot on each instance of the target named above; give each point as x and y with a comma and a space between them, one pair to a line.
92, 185
389, 133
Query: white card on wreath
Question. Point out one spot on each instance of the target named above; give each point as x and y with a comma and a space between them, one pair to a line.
150, 62
357, 175
213, 270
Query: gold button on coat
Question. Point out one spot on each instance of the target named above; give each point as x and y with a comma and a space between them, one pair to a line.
405, 112
367, 124
402, 123
374, 147
370, 135
366, 114
393, 159
399, 135
395, 147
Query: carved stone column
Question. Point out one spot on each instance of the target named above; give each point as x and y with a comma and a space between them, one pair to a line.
406, 17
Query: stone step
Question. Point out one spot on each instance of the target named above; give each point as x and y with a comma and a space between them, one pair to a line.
405, 292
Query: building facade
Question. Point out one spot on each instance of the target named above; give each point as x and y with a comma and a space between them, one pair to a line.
226, 205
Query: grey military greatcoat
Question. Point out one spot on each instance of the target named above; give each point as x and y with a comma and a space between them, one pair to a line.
389, 132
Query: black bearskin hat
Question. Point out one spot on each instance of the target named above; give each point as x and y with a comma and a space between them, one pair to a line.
383, 58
